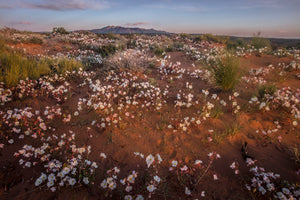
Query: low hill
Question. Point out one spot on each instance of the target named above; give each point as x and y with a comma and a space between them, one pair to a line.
127, 30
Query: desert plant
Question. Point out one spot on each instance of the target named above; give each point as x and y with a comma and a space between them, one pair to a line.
241, 42
217, 111
233, 129
178, 46
35, 40
267, 89
15, 67
63, 64
225, 70
106, 50
158, 52
296, 154
60, 30
260, 42
231, 45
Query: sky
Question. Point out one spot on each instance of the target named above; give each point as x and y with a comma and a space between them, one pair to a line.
273, 18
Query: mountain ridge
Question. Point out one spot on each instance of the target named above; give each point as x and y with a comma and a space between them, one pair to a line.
127, 30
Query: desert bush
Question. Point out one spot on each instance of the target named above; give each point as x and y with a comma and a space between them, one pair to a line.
131, 44
295, 154
35, 40
197, 38
63, 64
106, 50
267, 89
111, 36
170, 47
215, 38
225, 70
231, 45
158, 52
60, 30
15, 67
260, 42
178, 46
2, 44
184, 35
241, 42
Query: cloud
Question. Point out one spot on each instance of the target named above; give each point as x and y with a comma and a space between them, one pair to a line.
24, 23
57, 5
180, 8
260, 4
137, 24
283, 31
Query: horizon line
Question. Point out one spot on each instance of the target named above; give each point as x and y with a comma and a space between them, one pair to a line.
167, 32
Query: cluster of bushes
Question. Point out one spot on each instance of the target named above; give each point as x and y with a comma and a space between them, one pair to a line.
225, 71
35, 40
176, 46
160, 51
15, 66
232, 45
211, 38
63, 64
265, 90
260, 42
106, 50
257, 42
60, 30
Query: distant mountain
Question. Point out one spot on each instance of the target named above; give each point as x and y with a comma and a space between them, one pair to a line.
127, 30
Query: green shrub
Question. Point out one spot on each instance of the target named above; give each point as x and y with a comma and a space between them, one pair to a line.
60, 30
170, 48
241, 42
178, 46
158, 52
225, 70
260, 42
197, 39
61, 65
267, 89
106, 50
214, 38
231, 45
2, 44
185, 35
15, 67
35, 40
111, 36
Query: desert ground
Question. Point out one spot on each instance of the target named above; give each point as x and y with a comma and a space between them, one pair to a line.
143, 117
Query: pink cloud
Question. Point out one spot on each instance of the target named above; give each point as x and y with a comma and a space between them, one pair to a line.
24, 23
137, 24
57, 5
283, 31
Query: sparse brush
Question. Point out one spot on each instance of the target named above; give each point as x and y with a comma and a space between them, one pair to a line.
296, 154
60, 30
158, 52
232, 130
267, 89
106, 50
260, 42
61, 65
218, 137
35, 40
217, 111
15, 67
225, 70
